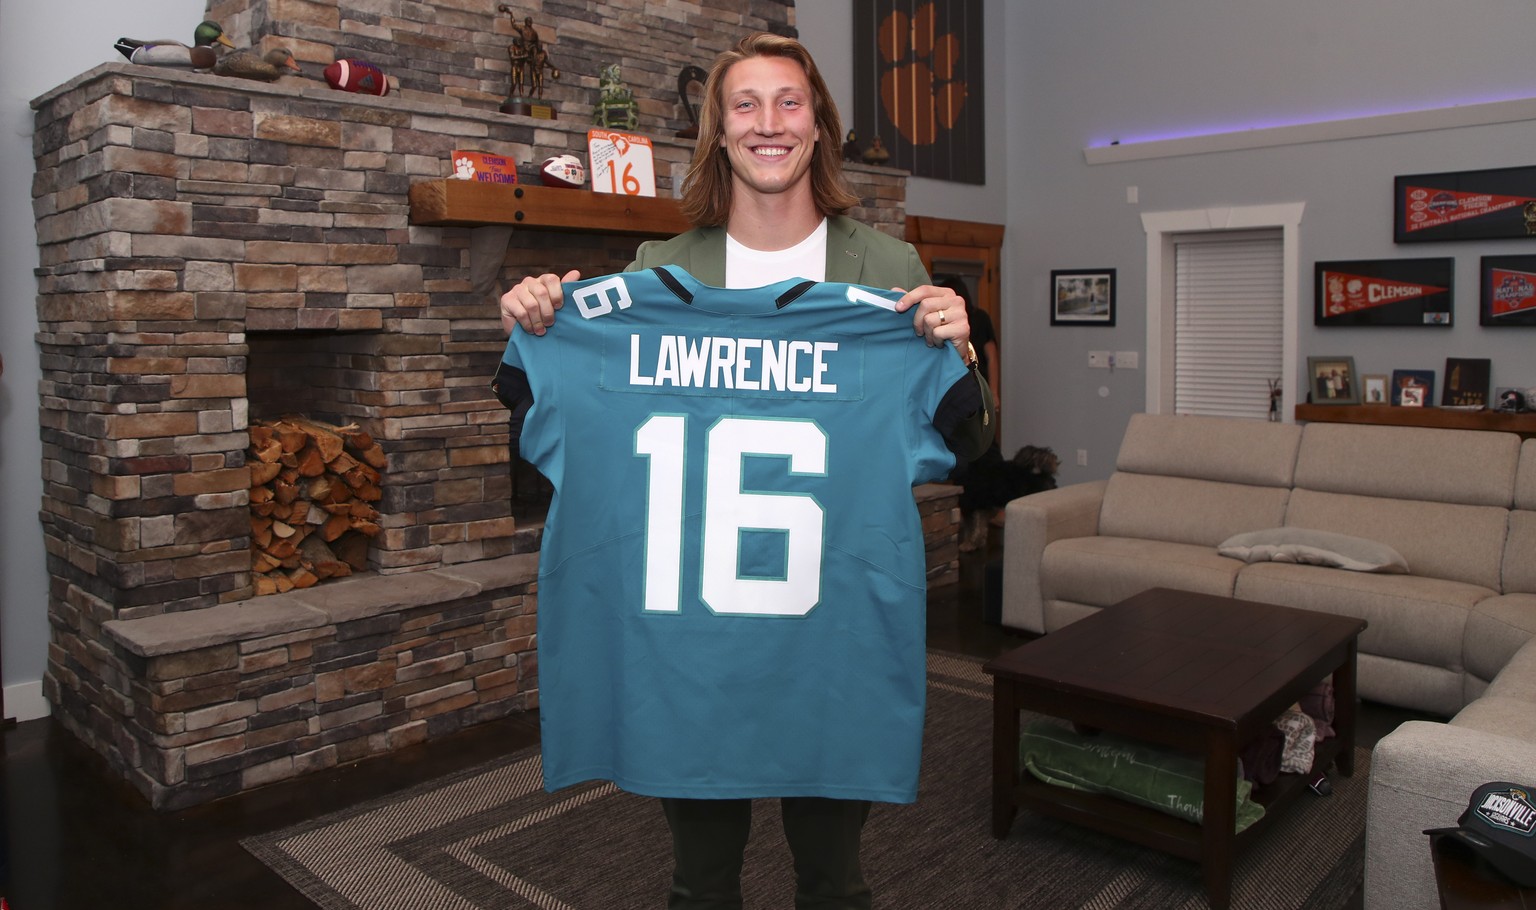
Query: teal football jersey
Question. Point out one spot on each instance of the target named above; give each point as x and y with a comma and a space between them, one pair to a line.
732, 580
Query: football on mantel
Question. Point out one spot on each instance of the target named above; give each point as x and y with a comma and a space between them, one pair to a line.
358, 76
563, 171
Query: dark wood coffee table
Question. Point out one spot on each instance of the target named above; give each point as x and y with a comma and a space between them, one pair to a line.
1196, 672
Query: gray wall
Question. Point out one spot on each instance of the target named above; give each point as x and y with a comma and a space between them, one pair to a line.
1093, 71
41, 45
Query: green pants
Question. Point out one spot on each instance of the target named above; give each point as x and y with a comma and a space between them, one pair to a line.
709, 837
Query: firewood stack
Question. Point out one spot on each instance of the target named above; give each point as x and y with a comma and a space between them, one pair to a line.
311, 489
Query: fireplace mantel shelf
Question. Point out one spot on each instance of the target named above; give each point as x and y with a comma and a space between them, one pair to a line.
467, 203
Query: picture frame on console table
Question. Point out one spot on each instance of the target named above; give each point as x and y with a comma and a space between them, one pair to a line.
1375, 389
1494, 204
1413, 388
1332, 380
1384, 292
1508, 291
1083, 297
1466, 382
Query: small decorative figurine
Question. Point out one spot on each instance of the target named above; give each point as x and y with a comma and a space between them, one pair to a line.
165, 52
876, 153
691, 75
268, 67
530, 60
851, 147
616, 108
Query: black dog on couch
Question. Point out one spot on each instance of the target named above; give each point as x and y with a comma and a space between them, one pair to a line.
990, 483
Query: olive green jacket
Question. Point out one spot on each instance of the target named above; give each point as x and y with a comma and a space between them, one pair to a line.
856, 254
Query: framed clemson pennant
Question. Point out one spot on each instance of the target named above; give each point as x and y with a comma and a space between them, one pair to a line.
1509, 291
1494, 204
1372, 292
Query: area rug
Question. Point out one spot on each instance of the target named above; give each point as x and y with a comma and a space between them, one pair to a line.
490, 837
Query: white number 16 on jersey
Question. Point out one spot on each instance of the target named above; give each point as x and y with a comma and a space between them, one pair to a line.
728, 510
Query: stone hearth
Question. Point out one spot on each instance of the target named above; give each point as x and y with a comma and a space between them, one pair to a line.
193, 228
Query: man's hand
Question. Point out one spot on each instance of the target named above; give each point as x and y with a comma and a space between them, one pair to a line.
937, 314
532, 302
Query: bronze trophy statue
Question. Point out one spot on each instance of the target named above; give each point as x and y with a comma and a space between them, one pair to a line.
530, 59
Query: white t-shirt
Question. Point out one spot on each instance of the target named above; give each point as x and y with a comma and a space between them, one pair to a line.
749, 268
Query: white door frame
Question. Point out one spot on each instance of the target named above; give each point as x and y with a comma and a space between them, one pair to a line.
1162, 229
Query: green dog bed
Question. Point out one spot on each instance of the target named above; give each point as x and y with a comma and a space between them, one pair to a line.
1160, 779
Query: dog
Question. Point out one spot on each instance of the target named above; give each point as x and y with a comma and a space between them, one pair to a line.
990, 483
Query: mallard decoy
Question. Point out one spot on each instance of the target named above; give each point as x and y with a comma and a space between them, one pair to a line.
165, 52
266, 68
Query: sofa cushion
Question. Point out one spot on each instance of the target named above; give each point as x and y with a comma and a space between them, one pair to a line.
1182, 510
1316, 548
1525, 476
1472, 467
1099, 571
1519, 567
1518, 678
1411, 618
1497, 628
1439, 540
1210, 448
1418, 687
1510, 717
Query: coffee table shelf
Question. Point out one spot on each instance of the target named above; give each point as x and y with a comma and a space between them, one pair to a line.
1159, 830
1201, 673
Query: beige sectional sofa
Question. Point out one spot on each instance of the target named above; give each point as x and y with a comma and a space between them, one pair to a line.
1450, 637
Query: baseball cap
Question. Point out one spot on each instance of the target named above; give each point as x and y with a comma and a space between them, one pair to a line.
1499, 827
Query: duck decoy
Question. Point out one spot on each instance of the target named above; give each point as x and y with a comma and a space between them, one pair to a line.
166, 52
265, 68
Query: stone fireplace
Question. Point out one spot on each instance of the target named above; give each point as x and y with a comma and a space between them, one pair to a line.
217, 251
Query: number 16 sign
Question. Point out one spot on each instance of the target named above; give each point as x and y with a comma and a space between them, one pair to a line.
621, 163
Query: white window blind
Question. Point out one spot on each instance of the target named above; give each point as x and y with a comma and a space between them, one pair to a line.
1228, 313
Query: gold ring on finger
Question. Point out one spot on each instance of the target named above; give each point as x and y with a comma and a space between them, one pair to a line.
943, 317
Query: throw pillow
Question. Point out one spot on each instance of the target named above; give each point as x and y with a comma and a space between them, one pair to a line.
1318, 548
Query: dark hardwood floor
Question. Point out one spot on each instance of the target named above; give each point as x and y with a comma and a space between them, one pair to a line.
77, 838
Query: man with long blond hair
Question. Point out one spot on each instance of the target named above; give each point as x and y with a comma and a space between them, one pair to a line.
766, 191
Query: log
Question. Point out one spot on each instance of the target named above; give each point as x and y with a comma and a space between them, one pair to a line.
311, 488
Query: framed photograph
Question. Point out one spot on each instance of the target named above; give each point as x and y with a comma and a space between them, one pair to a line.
1375, 386
1373, 292
1333, 380
1509, 291
1413, 388
1466, 382
1465, 205
1082, 297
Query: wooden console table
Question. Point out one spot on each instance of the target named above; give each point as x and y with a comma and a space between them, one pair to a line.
1441, 418
467, 203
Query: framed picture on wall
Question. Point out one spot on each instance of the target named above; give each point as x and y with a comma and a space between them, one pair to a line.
1375, 389
1083, 297
1333, 380
1465, 205
1509, 291
1413, 388
1375, 292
